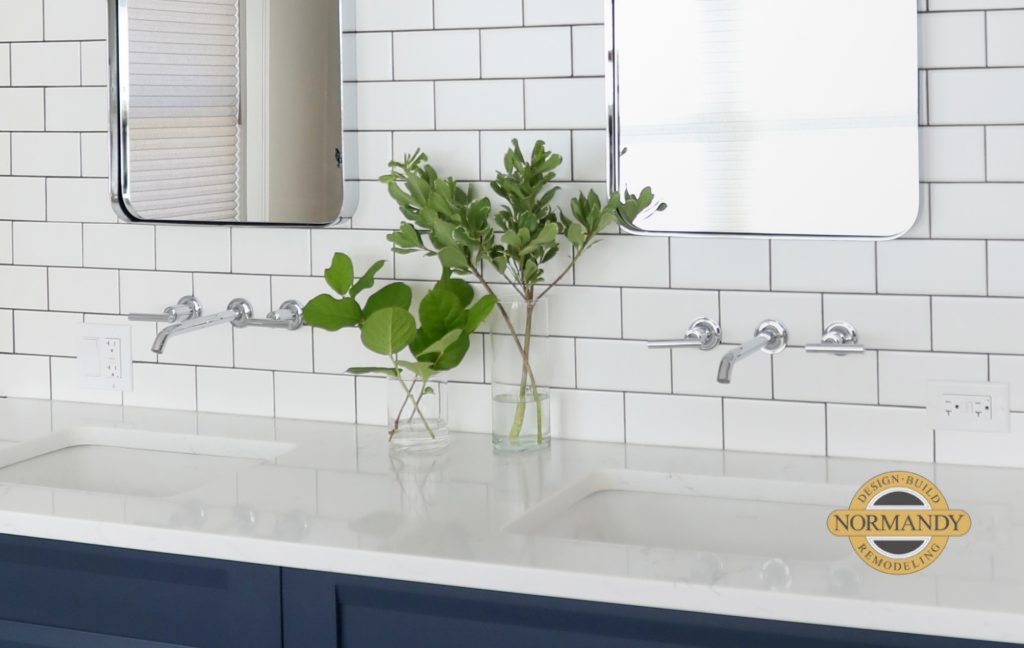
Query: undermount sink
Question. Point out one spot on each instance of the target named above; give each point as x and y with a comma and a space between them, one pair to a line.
130, 462
692, 513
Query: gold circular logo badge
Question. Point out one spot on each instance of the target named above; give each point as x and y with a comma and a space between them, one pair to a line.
899, 523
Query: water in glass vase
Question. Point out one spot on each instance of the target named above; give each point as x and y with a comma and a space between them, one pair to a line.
420, 435
417, 414
520, 394
516, 424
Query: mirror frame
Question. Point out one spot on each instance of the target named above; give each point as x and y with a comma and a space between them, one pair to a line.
119, 92
613, 145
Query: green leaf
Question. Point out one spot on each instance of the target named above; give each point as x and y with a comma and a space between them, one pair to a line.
362, 371
396, 295
388, 331
422, 369
576, 234
511, 240
476, 215
399, 196
439, 347
453, 355
339, 275
479, 313
452, 257
440, 312
545, 237
419, 188
405, 238
458, 287
366, 281
549, 196
332, 314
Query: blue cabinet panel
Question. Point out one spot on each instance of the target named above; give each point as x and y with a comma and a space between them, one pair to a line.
64, 595
332, 611
27, 635
133, 595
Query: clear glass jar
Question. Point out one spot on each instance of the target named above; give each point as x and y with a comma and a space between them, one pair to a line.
417, 413
520, 393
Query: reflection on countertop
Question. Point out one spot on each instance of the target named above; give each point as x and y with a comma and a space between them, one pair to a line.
338, 501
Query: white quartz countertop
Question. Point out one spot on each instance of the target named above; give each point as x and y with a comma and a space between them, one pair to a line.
333, 499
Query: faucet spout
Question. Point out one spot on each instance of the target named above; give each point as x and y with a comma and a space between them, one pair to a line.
730, 359
771, 337
238, 311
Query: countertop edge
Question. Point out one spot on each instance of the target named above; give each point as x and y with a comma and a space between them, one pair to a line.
766, 605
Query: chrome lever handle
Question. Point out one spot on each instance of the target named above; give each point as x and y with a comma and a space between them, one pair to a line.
288, 317
704, 334
187, 308
840, 339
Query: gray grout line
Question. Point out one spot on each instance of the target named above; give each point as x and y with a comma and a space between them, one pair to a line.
985, 21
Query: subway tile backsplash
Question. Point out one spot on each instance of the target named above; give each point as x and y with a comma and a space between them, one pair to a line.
460, 78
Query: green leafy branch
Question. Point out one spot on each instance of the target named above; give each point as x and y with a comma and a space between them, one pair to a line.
517, 241
447, 318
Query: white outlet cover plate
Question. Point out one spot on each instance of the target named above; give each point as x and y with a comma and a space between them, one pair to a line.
998, 392
91, 357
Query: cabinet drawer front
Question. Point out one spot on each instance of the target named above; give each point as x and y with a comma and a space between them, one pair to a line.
333, 611
140, 595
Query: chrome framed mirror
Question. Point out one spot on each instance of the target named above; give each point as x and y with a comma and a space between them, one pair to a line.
767, 118
228, 111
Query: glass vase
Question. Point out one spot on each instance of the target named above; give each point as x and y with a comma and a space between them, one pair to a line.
520, 393
417, 413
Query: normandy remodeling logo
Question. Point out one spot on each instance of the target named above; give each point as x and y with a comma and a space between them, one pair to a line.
899, 523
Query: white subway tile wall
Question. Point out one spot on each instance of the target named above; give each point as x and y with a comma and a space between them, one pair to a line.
460, 78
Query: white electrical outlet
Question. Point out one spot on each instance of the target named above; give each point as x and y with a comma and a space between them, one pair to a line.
105, 357
110, 365
969, 407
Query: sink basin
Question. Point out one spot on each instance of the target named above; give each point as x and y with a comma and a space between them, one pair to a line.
692, 513
130, 462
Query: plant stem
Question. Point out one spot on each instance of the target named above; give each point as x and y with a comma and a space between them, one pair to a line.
519, 418
416, 404
523, 346
527, 375
572, 264
419, 399
504, 315
401, 410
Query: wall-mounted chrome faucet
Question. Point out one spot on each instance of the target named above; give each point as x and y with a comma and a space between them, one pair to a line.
704, 334
770, 337
187, 315
237, 312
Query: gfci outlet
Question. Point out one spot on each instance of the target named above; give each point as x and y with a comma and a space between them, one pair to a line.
969, 407
105, 357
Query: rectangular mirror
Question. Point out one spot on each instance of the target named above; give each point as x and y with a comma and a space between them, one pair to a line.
227, 111
793, 118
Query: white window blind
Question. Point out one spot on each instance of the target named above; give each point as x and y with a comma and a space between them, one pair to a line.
183, 109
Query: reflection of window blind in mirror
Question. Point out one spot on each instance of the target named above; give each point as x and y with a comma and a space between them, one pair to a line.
183, 107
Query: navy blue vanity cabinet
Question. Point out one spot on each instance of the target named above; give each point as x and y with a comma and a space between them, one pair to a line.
66, 595
332, 611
